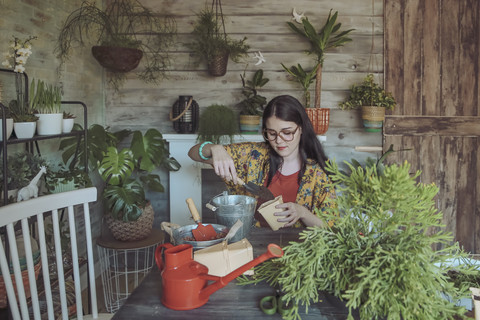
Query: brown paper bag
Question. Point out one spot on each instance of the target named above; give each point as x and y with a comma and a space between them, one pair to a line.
223, 258
267, 209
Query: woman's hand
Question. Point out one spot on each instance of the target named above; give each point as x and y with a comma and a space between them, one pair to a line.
292, 212
223, 163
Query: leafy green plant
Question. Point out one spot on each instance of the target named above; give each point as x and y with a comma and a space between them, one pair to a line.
209, 41
378, 250
217, 122
21, 168
123, 23
61, 175
304, 78
368, 93
253, 103
126, 171
45, 98
327, 37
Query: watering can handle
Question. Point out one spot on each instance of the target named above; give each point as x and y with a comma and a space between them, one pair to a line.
158, 254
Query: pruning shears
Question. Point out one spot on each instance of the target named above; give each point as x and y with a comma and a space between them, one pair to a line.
273, 304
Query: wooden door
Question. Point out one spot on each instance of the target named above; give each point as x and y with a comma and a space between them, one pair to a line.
432, 65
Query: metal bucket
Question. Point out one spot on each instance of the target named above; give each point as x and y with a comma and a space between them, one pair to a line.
179, 235
230, 208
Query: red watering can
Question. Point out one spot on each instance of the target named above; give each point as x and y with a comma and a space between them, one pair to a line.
185, 281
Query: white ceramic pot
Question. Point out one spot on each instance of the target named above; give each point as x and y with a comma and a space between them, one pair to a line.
24, 130
9, 126
49, 123
67, 125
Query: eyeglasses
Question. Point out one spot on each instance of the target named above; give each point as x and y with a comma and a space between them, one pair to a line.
286, 135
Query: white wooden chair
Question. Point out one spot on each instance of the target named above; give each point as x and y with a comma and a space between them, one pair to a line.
29, 218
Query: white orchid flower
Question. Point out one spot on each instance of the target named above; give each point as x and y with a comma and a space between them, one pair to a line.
258, 55
298, 17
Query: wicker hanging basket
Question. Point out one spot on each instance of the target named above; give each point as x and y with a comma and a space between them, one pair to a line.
373, 118
320, 118
132, 230
117, 59
217, 66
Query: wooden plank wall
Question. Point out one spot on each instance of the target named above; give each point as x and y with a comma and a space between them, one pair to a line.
432, 63
139, 105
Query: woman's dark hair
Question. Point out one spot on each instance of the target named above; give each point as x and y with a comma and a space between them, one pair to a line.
288, 108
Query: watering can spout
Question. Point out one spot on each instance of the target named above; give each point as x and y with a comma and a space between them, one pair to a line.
273, 251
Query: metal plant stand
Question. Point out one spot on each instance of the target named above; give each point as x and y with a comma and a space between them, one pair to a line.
124, 264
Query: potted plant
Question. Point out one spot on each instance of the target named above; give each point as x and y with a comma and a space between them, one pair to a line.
68, 122
8, 122
60, 178
327, 37
21, 169
211, 43
45, 101
378, 249
218, 123
251, 108
372, 99
24, 121
127, 172
121, 34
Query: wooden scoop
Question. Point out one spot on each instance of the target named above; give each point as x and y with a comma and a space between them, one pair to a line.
201, 233
262, 192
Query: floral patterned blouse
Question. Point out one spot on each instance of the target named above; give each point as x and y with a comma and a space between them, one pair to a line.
252, 164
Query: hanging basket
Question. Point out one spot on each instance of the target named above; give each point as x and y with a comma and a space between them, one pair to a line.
320, 118
373, 118
217, 65
117, 59
185, 115
132, 230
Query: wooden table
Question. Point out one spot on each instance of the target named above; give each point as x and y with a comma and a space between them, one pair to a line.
231, 302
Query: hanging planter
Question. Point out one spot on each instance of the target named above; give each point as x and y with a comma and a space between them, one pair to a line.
211, 43
373, 100
117, 59
320, 118
373, 118
217, 65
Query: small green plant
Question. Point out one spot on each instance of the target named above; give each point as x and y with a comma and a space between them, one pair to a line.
378, 249
216, 122
68, 115
368, 93
305, 78
61, 175
209, 41
45, 98
21, 168
253, 103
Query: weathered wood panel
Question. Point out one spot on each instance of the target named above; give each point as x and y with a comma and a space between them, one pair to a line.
264, 25
433, 73
429, 125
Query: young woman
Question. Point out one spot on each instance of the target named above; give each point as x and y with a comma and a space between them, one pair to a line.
290, 162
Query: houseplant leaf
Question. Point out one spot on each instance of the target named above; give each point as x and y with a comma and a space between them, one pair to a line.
116, 166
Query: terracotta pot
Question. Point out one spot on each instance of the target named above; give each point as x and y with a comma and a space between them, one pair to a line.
117, 59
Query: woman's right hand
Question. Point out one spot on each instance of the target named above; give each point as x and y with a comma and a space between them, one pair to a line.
223, 163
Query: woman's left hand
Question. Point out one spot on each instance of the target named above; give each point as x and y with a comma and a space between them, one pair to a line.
291, 213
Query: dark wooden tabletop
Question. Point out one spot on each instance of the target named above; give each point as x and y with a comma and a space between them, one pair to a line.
231, 302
